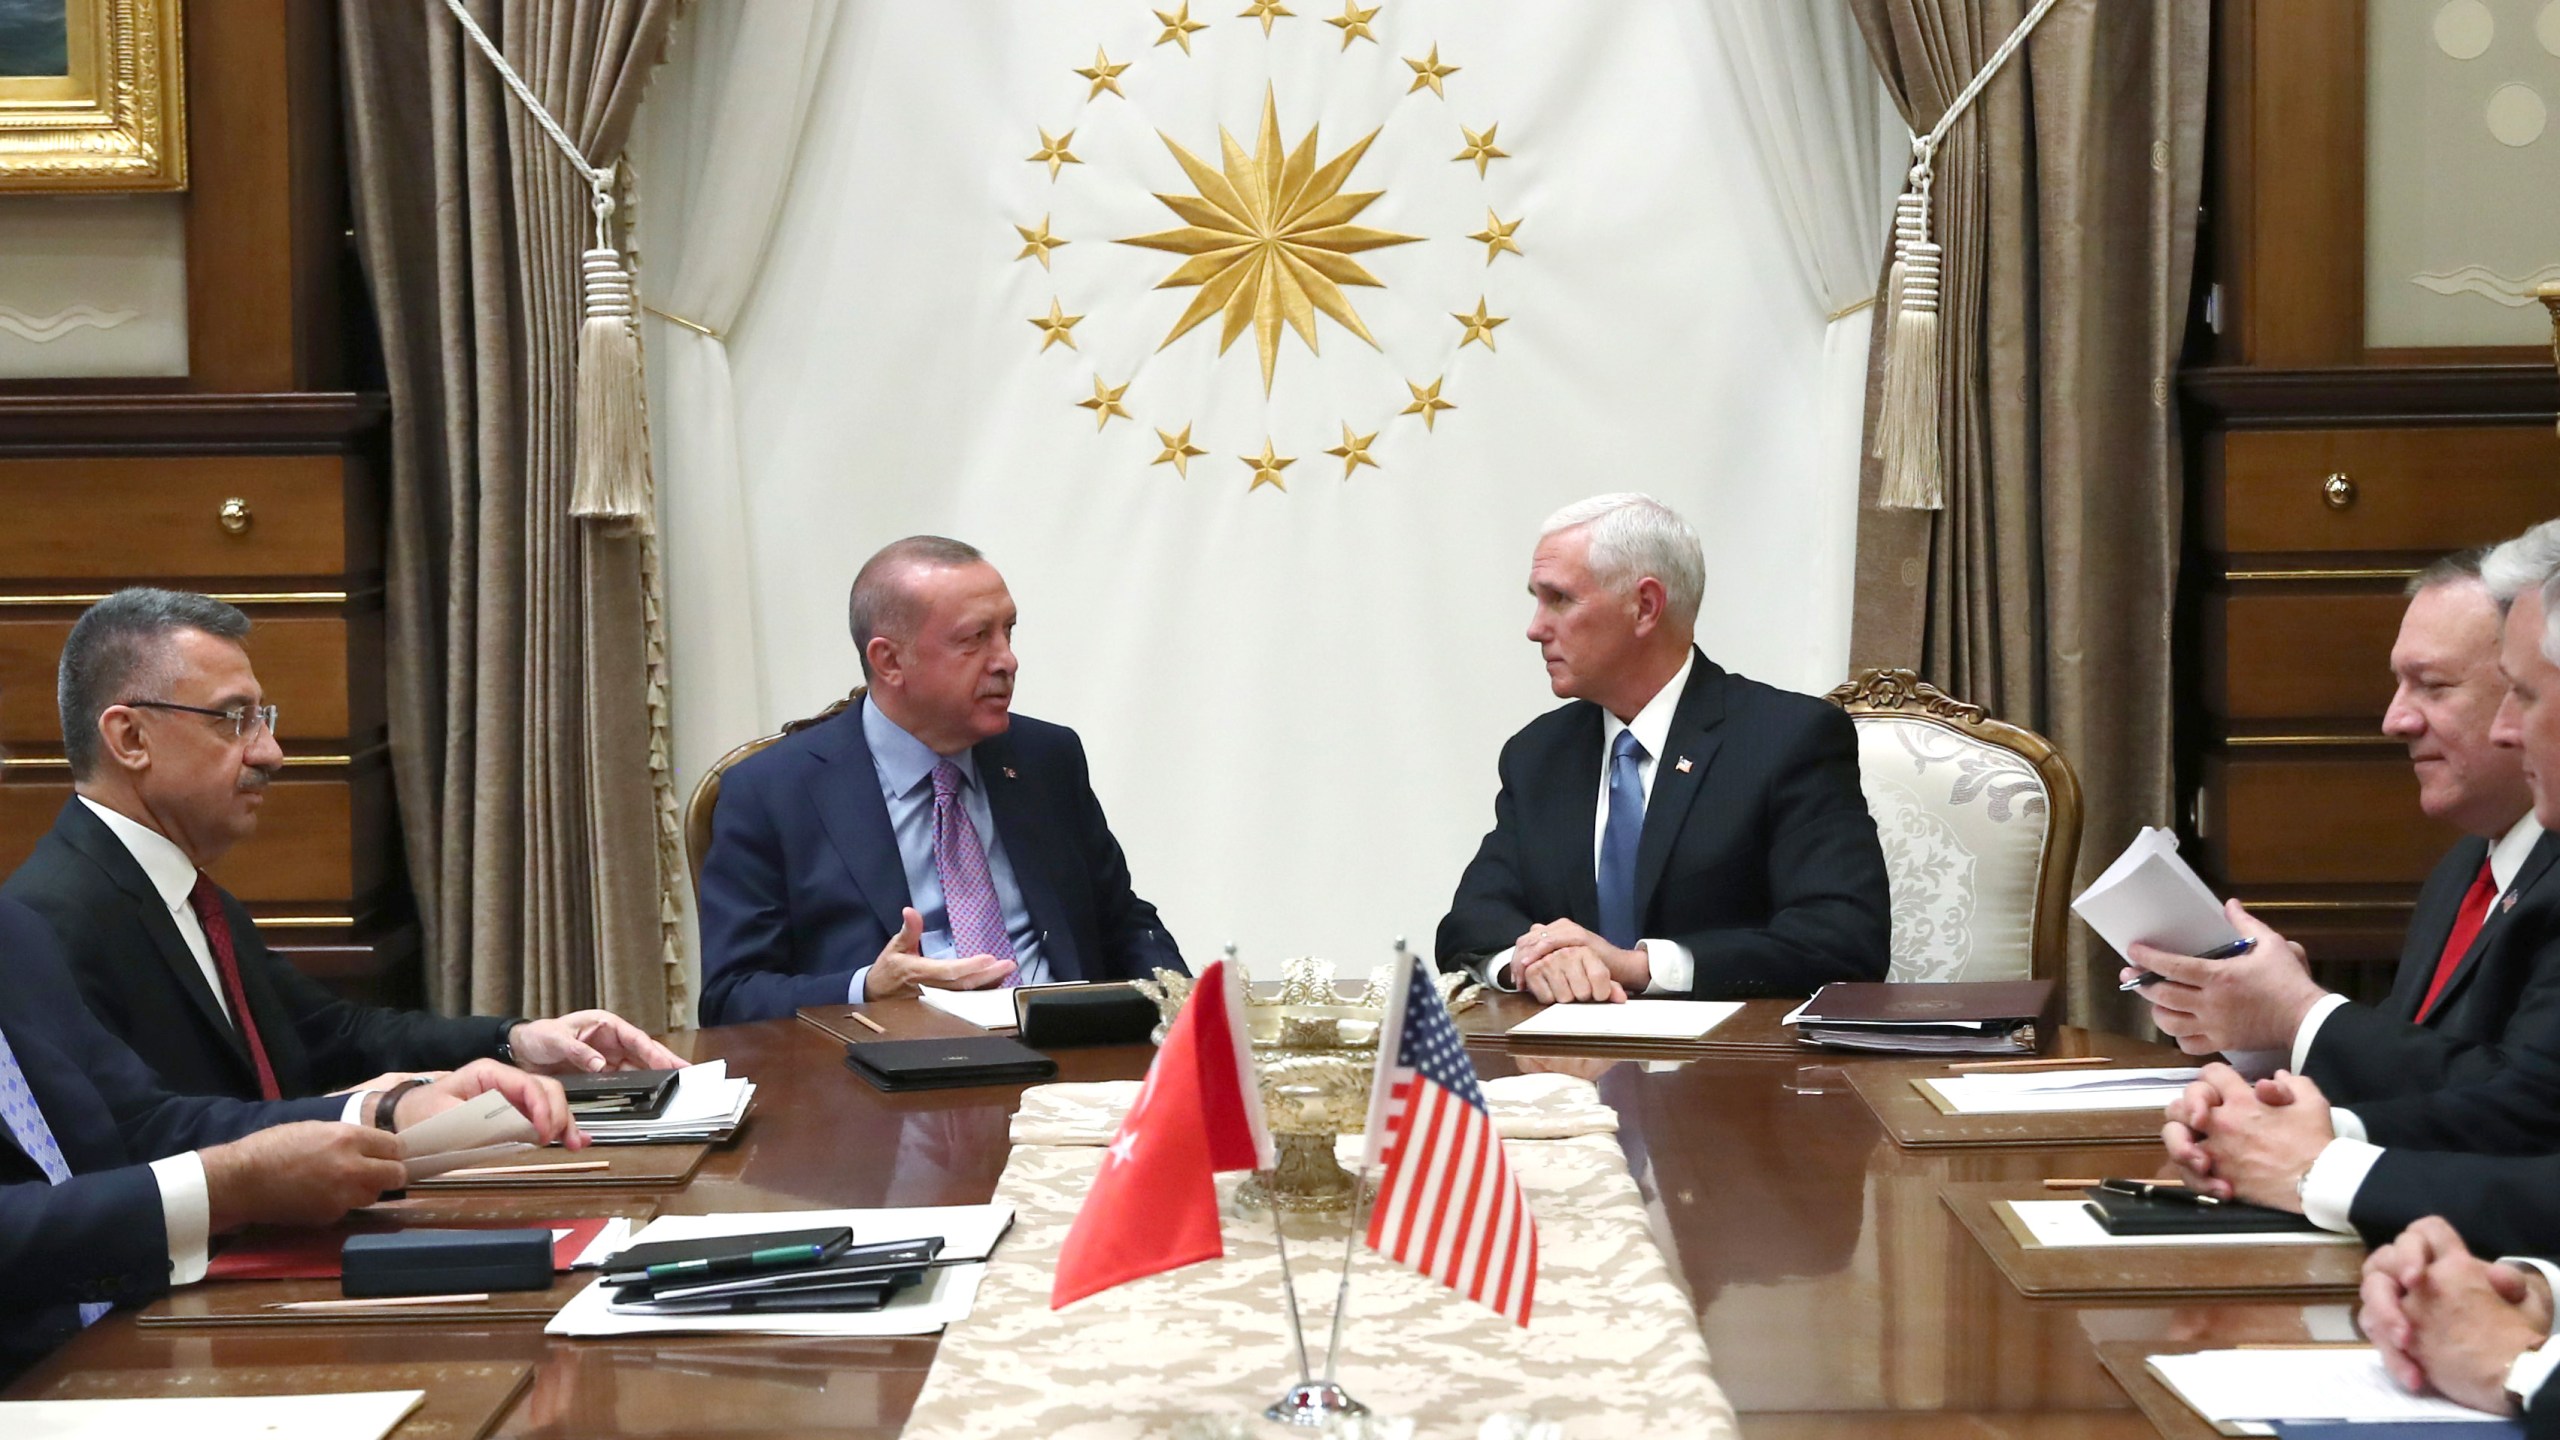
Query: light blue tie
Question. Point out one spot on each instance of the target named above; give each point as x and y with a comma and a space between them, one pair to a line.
26, 1126
1618, 843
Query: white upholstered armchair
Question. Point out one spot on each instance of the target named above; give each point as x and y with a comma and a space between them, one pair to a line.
1980, 822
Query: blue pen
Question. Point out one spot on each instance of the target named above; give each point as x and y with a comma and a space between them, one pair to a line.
2232, 951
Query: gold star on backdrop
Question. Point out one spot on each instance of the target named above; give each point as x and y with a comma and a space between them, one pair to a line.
1178, 451
1265, 11
1427, 403
1038, 243
1480, 326
1104, 75
1269, 239
1267, 468
1353, 452
1055, 325
1430, 72
1179, 27
1496, 236
1105, 402
1353, 22
1479, 148
1053, 152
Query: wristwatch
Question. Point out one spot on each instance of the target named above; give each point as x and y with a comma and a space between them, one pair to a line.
505, 1054
385, 1116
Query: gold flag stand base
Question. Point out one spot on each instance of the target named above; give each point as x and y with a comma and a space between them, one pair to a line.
1313, 1404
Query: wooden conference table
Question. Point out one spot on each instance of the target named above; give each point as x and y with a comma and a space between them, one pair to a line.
1838, 1295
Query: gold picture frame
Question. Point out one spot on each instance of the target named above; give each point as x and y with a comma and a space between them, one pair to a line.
114, 118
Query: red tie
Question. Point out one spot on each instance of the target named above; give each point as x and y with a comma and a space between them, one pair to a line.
2466, 928
207, 903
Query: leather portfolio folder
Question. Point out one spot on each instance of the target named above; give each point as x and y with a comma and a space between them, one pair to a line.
2153, 1272
945, 1064
1991, 1017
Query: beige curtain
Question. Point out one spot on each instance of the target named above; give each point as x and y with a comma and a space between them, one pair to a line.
2066, 200
519, 664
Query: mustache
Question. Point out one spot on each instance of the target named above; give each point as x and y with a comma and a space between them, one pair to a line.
255, 778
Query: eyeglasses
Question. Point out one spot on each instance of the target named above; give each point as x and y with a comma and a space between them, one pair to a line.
246, 720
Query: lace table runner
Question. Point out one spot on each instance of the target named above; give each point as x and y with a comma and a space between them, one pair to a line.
1613, 1350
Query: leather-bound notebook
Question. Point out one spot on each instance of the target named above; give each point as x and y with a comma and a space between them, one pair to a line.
1986, 1017
943, 1064
2141, 1215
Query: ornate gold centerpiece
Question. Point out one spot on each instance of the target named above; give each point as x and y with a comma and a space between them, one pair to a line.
1314, 1051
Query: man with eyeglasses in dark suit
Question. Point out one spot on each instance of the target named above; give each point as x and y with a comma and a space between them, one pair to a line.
172, 746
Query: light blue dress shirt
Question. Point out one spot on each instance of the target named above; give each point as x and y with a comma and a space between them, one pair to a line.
905, 767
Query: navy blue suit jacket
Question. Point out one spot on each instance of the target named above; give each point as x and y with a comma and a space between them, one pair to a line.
1757, 853
101, 1236
803, 884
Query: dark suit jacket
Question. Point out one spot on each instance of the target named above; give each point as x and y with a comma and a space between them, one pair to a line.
803, 884
142, 984
2483, 1072
1759, 856
101, 1236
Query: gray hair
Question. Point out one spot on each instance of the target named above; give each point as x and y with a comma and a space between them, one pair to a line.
119, 650
2530, 561
2460, 567
883, 604
1633, 536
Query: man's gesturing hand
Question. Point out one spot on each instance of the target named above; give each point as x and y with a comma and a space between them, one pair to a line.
902, 966
308, 1173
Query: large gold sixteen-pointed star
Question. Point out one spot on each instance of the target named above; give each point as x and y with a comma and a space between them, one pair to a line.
1270, 239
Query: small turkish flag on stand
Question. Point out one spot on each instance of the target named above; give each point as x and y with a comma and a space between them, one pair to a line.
1154, 1204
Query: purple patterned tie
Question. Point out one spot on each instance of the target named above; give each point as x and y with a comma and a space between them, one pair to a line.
968, 887
26, 1126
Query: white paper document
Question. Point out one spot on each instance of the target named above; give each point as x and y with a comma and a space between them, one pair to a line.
967, 1231
2067, 1224
475, 1132
986, 1009
2059, 1091
360, 1415
1634, 1020
706, 1103
2242, 1391
2151, 897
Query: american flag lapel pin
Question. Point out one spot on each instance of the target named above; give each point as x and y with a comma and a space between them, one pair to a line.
1011, 774
1683, 766
2509, 903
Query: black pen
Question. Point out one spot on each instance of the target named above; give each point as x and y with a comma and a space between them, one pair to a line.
2232, 951
2154, 1190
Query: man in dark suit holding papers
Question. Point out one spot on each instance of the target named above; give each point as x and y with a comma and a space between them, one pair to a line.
1676, 829
927, 835
2479, 976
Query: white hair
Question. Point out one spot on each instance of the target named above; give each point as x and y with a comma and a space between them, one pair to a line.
1633, 536
2531, 561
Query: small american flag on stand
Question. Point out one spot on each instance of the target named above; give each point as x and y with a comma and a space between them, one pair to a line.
1447, 1205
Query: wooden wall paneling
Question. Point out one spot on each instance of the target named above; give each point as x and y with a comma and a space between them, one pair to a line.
265, 202
109, 518
2318, 820
302, 661
309, 849
2297, 192
2434, 488
2276, 653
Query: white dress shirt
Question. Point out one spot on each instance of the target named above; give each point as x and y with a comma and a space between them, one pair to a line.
1674, 968
2329, 1189
2532, 1368
185, 1204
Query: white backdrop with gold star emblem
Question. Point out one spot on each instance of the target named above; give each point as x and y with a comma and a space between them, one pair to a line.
1252, 348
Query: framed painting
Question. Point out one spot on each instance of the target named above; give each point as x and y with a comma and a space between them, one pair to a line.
92, 96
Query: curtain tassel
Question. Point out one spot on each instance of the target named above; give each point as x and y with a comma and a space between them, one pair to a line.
1907, 434
612, 458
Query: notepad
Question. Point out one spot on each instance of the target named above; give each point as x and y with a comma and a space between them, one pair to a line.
360, 1415
1634, 1020
2242, 1392
2149, 896
986, 1009
706, 1104
2067, 1224
475, 1132
2056, 1091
